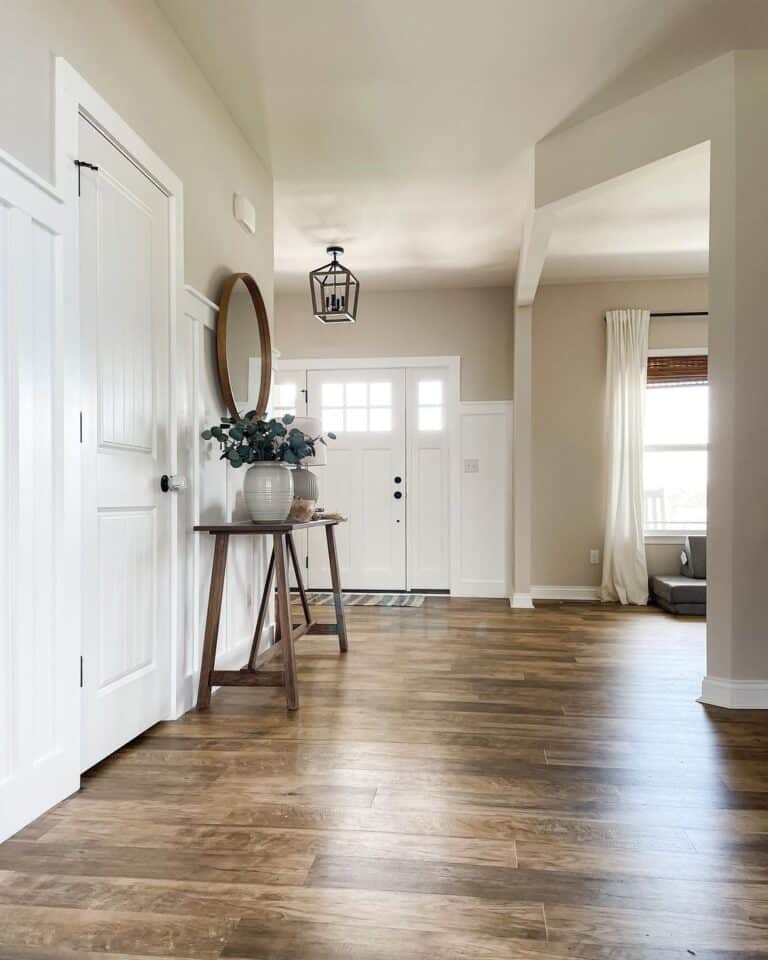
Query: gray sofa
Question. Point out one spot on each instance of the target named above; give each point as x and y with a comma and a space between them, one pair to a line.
686, 593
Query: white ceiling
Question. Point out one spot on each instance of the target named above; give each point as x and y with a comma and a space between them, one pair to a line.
652, 222
404, 129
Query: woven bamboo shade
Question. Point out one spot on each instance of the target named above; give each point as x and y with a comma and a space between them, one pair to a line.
672, 370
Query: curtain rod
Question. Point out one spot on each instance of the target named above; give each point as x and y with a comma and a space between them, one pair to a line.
681, 313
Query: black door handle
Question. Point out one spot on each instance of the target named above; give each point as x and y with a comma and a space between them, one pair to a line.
398, 494
398, 479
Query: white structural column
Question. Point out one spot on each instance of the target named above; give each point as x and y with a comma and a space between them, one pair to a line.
521, 457
737, 637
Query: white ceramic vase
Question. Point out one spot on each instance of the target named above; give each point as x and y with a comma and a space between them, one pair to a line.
268, 491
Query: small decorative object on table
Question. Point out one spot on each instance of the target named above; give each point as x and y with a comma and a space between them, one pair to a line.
307, 445
270, 447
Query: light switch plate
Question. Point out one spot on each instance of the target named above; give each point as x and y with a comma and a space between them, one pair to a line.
471, 466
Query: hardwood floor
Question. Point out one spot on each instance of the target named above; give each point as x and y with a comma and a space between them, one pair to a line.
468, 782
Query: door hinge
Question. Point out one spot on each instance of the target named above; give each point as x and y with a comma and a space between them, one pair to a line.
80, 164
81, 426
81, 672
306, 562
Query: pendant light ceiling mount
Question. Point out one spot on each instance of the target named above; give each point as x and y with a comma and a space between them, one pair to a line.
335, 290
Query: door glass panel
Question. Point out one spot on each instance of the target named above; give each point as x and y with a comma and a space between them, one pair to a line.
333, 395
430, 392
333, 419
430, 405
357, 394
285, 399
357, 419
380, 394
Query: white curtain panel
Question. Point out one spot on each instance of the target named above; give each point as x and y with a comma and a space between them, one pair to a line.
625, 573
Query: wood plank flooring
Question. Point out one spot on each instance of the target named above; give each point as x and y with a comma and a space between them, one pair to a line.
468, 783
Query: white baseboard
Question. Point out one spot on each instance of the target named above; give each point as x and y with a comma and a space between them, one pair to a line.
736, 694
557, 592
521, 601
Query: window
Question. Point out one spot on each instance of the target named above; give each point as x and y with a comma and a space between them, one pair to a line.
357, 407
430, 405
284, 401
676, 439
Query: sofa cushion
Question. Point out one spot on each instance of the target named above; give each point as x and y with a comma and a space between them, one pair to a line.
676, 590
683, 609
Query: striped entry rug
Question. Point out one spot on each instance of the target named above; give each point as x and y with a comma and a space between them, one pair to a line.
364, 599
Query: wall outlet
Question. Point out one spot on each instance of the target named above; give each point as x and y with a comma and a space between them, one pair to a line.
471, 466
594, 556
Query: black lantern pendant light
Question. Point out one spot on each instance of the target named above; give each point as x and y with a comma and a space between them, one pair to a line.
335, 291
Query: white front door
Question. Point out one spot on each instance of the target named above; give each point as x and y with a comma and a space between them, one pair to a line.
125, 324
364, 478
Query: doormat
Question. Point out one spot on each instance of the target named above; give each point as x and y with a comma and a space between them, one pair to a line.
364, 599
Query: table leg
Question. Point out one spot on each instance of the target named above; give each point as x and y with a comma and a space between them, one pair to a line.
215, 594
263, 605
299, 579
333, 561
284, 620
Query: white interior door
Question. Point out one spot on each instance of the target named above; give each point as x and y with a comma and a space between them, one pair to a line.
125, 323
364, 478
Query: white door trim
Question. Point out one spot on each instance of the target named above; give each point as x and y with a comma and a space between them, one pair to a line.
453, 365
75, 97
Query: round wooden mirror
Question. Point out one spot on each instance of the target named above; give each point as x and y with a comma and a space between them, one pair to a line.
243, 346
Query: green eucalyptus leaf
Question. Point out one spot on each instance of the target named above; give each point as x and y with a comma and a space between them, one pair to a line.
331, 435
206, 435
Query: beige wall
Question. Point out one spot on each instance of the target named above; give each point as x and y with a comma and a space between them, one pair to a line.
475, 324
568, 415
128, 51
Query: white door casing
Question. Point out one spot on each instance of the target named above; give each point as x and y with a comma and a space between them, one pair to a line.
366, 410
125, 310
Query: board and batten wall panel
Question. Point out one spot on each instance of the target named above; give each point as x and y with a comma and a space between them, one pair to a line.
214, 495
39, 527
483, 514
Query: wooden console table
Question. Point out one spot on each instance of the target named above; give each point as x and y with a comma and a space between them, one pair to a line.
251, 675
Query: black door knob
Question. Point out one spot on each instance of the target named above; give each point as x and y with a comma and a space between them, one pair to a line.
398, 479
398, 494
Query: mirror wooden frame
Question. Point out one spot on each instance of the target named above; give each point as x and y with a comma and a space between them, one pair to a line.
264, 337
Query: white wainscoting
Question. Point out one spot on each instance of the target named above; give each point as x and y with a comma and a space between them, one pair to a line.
39, 501
483, 524
214, 495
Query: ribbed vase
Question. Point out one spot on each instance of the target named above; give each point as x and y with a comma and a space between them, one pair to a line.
268, 491
305, 493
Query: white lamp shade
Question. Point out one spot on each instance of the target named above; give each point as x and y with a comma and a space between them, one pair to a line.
312, 427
